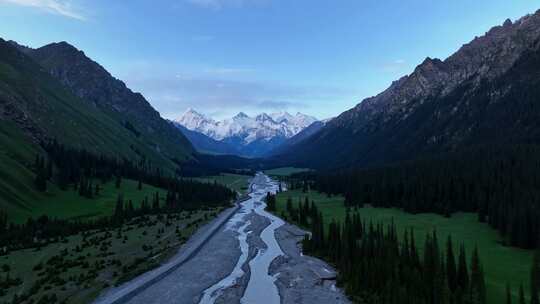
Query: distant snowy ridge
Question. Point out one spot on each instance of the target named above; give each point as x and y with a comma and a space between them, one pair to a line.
246, 129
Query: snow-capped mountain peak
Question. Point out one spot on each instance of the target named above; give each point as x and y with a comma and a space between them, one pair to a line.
194, 120
264, 117
241, 115
281, 116
246, 129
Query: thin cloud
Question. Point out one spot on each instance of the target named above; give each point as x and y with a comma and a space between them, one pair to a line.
172, 94
59, 7
228, 71
281, 105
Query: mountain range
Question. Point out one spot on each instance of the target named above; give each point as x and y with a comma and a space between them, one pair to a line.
242, 135
484, 94
57, 93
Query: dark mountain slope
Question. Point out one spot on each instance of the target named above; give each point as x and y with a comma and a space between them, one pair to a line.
35, 107
205, 144
93, 84
256, 149
484, 94
16, 174
41, 107
301, 136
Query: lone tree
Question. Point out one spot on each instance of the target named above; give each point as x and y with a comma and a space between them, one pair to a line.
118, 181
478, 284
41, 178
270, 202
508, 294
119, 209
451, 265
535, 278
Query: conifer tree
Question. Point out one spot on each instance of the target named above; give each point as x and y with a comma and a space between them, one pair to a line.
289, 205
462, 274
89, 188
130, 209
451, 265
49, 169
535, 277
478, 285
155, 202
119, 208
414, 252
41, 180
118, 181
3, 221
270, 202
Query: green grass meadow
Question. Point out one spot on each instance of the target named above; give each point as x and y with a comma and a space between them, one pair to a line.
69, 205
285, 171
501, 264
20, 199
236, 182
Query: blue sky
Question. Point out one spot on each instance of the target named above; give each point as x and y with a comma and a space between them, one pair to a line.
320, 57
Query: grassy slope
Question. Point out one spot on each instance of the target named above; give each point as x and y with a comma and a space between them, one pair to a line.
234, 181
29, 92
53, 109
19, 198
68, 204
16, 180
502, 264
156, 132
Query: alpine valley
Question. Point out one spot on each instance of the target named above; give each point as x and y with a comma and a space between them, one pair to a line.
484, 94
242, 135
427, 192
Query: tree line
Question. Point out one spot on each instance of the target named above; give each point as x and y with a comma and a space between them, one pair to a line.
502, 185
375, 267
36, 233
84, 172
66, 166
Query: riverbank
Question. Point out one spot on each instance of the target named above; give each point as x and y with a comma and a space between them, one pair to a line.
301, 278
222, 272
125, 292
501, 264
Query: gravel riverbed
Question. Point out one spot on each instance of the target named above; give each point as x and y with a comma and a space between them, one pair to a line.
298, 278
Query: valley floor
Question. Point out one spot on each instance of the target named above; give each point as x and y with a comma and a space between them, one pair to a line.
236, 182
78, 267
231, 266
502, 264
